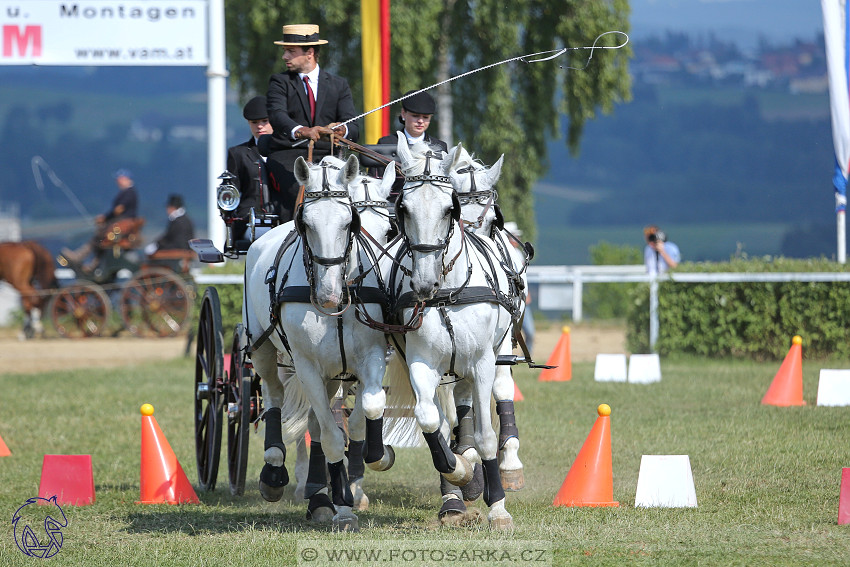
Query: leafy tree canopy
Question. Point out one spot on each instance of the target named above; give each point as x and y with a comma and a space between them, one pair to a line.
510, 109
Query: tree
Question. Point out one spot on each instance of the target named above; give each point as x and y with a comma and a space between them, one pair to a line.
512, 109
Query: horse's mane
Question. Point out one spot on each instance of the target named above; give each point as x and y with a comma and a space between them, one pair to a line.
44, 273
418, 151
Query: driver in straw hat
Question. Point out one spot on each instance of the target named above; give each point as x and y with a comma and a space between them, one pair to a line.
304, 102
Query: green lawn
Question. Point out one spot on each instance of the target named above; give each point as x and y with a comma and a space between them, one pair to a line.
767, 479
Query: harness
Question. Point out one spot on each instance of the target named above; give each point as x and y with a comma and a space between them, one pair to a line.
354, 290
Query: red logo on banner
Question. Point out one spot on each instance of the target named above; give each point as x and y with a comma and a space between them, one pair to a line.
25, 42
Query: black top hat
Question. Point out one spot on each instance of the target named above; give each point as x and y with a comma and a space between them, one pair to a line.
174, 200
255, 109
420, 103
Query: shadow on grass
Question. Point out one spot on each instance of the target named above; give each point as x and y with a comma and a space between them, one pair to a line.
220, 512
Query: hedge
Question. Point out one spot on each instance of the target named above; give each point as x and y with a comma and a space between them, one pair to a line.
746, 319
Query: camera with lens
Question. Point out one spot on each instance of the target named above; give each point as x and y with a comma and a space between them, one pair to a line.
658, 236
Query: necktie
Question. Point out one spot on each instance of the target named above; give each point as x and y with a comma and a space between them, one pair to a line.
311, 98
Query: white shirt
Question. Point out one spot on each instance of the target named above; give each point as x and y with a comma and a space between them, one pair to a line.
314, 86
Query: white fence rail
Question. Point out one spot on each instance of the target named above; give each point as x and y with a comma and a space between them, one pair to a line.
560, 288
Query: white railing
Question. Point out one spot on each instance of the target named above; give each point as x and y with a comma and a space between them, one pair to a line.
560, 288
551, 277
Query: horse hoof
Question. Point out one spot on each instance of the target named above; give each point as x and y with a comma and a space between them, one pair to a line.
386, 462
270, 493
345, 521
452, 512
361, 501
513, 481
502, 523
272, 481
475, 487
463, 472
320, 509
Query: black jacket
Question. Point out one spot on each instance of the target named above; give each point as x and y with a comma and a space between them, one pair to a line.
177, 235
244, 161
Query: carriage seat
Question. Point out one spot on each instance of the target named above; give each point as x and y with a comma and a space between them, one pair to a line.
389, 151
178, 259
123, 234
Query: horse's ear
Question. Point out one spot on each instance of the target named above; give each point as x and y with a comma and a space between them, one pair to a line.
403, 151
302, 171
495, 171
387, 182
351, 169
452, 161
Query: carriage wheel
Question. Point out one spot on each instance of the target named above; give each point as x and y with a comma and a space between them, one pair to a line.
209, 370
240, 400
155, 303
81, 310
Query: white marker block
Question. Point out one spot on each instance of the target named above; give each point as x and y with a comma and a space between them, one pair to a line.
610, 368
644, 368
834, 388
665, 481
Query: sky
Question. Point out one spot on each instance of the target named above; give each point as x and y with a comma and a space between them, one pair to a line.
742, 20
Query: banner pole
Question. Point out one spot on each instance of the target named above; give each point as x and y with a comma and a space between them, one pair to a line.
216, 118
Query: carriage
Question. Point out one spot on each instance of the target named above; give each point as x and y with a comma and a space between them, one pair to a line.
317, 336
226, 386
151, 295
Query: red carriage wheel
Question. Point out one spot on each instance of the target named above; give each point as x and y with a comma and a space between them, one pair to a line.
80, 310
155, 302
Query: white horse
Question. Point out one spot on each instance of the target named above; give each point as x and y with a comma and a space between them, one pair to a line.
462, 323
475, 185
297, 305
369, 197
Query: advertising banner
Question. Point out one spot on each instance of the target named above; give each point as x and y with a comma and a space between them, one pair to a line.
103, 32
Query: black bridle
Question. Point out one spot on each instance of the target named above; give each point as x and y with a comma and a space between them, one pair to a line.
413, 182
309, 258
486, 197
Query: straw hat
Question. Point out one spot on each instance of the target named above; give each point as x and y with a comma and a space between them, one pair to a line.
303, 35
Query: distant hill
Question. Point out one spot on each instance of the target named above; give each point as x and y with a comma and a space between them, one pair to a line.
689, 158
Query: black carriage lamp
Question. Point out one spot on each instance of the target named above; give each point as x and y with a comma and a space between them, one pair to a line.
228, 195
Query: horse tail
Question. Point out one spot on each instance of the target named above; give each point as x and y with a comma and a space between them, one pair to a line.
44, 272
295, 407
400, 426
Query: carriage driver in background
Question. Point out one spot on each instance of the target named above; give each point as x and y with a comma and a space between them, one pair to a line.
179, 231
124, 206
245, 162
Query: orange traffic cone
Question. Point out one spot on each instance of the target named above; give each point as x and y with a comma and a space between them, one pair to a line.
4, 450
590, 481
787, 386
844, 498
560, 359
518, 397
162, 478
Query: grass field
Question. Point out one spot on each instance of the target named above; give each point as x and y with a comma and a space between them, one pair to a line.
767, 479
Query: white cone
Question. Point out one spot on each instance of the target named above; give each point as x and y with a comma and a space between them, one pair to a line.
610, 368
834, 388
644, 368
665, 481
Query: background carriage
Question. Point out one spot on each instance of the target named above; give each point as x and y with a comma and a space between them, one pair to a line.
152, 295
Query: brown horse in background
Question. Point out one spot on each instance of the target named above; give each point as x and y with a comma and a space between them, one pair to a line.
21, 264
